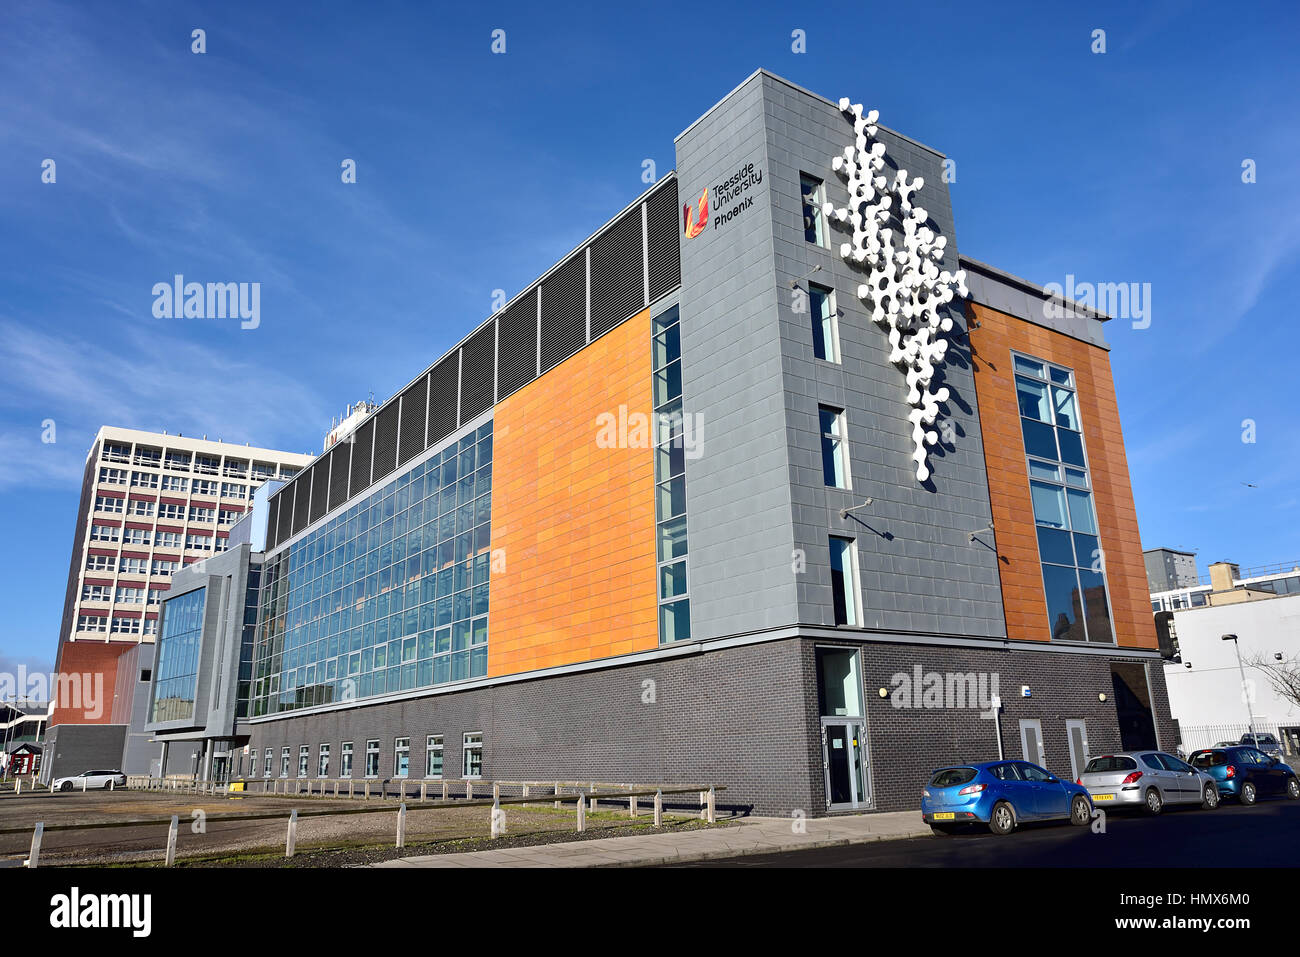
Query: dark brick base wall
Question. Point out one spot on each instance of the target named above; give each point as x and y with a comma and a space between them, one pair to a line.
745, 717
908, 743
733, 717
73, 748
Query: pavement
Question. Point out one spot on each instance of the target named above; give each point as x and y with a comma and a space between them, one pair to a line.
747, 836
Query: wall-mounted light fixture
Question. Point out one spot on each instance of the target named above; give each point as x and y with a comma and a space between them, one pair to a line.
844, 512
794, 283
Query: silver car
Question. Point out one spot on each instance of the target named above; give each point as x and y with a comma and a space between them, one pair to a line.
89, 779
1147, 779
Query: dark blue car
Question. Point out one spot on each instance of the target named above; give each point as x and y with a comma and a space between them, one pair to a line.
1001, 794
1247, 774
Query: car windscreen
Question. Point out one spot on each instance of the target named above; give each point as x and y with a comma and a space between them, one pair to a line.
952, 777
1209, 759
1111, 762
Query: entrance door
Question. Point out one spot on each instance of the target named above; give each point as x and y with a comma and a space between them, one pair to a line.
846, 780
1077, 732
1031, 742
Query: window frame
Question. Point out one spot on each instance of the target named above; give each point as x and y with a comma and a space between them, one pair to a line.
471, 743
433, 744
852, 581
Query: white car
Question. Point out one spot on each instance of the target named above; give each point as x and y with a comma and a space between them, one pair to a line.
90, 779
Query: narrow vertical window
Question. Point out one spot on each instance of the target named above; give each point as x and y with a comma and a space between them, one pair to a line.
473, 755
813, 195
825, 327
345, 760
433, 756
835, 456
844, 581
402, 757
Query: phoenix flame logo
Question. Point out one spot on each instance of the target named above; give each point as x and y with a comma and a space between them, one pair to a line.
695, 225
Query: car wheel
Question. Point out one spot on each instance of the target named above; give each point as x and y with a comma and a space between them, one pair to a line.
108, 784
1080, 810
65, 786
1248, 794
1003, 820
1210, 798
1154, 802
1292, 788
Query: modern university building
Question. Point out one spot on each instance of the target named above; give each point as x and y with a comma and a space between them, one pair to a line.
762, 485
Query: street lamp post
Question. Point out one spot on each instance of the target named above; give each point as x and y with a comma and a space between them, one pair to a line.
1245, 696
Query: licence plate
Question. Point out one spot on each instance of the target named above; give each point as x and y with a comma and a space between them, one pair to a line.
944, 816
1103, 797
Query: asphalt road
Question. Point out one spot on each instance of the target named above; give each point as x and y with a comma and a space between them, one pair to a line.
1266, 835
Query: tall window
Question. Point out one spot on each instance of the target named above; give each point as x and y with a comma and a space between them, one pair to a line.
844, 581
304, 754
433, 756
813, 193
1074, 578
372, 758
473, 755
284, 762
323, 762
345, 760
671, 443
402, 757
835, 455
266, 767
825, 327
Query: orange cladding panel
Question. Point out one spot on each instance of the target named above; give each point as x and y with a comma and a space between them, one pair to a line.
1004, 454
573, 525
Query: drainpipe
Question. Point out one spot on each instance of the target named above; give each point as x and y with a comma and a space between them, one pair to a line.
996, 706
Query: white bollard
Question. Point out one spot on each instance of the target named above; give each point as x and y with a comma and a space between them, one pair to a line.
401, 825
557, 794
659, 808
291, 839
18, 787
424, 791
713, 806
631, 806
171, 840
446, 793
496, 792
469, 790
498, 821
582, 813
83, 785
703, 810
34, 855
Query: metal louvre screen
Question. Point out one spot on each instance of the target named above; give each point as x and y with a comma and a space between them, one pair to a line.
617, 273
442, 398
301, 500
319, 478
273, 523
340, 457
517, 345
663, 231
363, 440
498, 359
478, 358
411, 436
564, 311
385, 459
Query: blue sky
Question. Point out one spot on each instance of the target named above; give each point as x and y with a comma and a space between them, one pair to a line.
477, 171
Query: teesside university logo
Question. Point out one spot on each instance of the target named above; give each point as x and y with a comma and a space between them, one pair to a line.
731, 198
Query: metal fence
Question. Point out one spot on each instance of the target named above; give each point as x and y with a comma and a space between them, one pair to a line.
1195, 737
585, 797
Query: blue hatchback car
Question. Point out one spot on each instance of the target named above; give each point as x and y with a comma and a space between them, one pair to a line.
1247, 773
1001, 794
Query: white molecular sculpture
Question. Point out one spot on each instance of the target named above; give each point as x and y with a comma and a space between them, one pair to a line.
904, 289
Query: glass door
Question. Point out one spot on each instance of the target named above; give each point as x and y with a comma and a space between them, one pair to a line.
845, 767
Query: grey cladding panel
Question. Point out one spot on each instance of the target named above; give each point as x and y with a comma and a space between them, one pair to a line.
477, 372
442, 399
411, 436
617, 274
564, 311
517, 345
